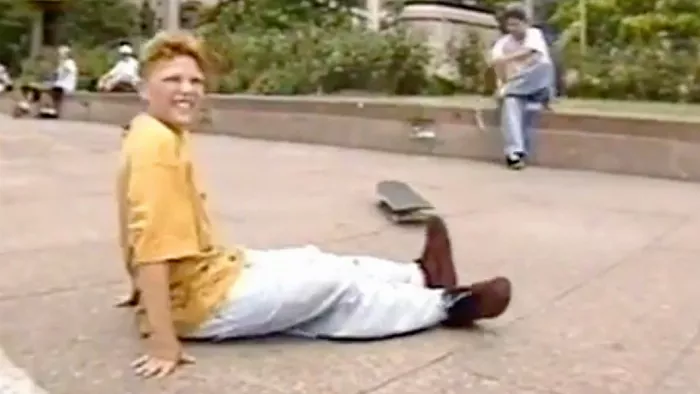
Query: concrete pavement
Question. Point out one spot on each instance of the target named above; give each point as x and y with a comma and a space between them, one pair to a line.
605, 271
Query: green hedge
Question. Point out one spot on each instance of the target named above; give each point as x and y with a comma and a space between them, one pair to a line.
651, 72
331, 60
282, 47
92, 63
320, 60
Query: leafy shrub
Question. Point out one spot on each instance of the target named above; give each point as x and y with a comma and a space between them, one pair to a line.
650, 71
92, 64
84, 23
312, 59
467, 56
304, 51
15, 20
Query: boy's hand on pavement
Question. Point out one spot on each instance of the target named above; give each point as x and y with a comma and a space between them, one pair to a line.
149, 366
163, 357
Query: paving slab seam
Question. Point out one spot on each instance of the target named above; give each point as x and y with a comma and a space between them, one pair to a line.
673, 365
388, 226
345, 238
58, 290
687, 221
40, 198
106, 242
533, 199
674, 248
479, 375
62, 245
628, 258
254, 381
376, 230
407, 373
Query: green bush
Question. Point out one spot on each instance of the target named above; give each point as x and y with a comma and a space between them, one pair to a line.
84, 23
338, 58
320, 60
637, 50
467, 56
92, 64
15, 22
650, 72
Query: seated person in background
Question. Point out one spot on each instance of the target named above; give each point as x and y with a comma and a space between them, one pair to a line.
50, 93
124, 76
525, 76
5, 80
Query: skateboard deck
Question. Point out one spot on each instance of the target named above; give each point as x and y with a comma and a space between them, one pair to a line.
401, 202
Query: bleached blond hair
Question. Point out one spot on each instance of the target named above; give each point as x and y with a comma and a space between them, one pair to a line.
169, 45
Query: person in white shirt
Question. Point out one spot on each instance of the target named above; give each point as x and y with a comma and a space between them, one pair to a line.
5, 79
49, 95
525, 76
66, 72
124, 76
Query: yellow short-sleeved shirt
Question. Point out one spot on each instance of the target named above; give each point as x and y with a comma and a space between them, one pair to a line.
163, 218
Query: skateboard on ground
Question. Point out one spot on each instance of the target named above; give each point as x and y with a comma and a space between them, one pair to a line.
402, 203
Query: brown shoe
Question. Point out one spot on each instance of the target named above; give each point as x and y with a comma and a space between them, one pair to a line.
436, 259
481, 300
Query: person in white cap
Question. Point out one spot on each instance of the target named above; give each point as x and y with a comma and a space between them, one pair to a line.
49, 94
124, 76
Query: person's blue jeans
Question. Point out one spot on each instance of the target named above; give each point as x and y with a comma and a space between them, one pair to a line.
523, 98
519, 121
531, 122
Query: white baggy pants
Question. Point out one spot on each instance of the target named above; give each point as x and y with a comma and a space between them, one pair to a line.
310, 293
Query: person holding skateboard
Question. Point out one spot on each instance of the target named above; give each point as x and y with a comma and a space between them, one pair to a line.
525, 77
186, 286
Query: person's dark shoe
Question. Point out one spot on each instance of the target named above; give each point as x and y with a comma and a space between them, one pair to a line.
515, 161
436, 260
481, 300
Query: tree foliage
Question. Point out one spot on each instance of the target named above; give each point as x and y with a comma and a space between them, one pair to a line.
15, 32
319, 59
247, 15
98, 22
85, 23
620, 22
310, 46
637, 49
630, 22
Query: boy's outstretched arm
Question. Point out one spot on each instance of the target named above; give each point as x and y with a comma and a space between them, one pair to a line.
164, 351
